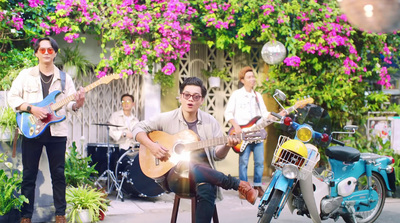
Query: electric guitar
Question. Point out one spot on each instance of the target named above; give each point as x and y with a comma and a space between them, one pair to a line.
32, 127
251, 125
179, 147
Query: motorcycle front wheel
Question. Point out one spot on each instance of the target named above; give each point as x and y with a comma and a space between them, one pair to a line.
271, 207
379, 186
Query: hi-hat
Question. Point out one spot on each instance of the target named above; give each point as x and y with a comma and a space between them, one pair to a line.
107, 124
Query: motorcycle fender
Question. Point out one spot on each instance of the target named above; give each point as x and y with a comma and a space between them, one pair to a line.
384, 175
270, 188
313, 198
283, 183
278, 182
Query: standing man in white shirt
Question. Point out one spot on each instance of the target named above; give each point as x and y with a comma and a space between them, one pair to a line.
126, 119
244, 105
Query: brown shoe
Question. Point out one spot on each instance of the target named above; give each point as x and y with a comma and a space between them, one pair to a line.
25, 220
61, 219
248, 192
260, 190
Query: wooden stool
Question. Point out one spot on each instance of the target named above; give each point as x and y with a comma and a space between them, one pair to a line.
176, 209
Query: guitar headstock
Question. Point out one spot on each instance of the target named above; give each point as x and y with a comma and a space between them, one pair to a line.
107, 79
304, 102
254, 135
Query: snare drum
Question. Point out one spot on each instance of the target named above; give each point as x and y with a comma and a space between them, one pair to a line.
133, 180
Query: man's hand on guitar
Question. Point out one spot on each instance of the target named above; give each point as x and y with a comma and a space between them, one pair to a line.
159, 152
39, 112
238, 129
233, 140
79, 98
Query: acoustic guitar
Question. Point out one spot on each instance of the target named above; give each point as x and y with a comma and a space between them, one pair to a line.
251, 125
179, 147
32, 127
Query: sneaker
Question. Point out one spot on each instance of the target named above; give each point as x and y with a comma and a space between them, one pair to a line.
25, 220
61, 219
260, 190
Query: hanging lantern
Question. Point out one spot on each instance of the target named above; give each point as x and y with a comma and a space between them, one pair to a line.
380, 16
273, 52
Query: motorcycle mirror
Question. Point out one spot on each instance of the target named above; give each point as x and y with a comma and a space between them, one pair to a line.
279, 94
350, 128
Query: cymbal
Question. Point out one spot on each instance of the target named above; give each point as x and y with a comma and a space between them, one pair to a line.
107, 124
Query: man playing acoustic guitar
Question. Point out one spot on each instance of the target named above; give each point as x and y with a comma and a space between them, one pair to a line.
32, 85
204, 180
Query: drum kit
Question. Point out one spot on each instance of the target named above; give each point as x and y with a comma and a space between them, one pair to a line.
126, 176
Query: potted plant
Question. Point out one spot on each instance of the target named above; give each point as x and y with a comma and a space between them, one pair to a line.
74, 62
215, 75
85, 203
10, 184
8, 124
77, 169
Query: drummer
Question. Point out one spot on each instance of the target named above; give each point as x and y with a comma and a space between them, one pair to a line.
126, 120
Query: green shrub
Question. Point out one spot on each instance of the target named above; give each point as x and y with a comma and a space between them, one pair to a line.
77, 169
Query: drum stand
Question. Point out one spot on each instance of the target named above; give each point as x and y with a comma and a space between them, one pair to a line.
111, 179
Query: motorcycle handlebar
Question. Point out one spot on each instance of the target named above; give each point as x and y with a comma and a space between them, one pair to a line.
276, 115
337, 142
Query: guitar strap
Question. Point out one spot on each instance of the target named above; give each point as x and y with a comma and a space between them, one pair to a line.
62, 77
257, 101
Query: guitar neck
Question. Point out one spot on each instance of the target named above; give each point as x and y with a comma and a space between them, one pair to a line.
56, 106
206, 143
265, 122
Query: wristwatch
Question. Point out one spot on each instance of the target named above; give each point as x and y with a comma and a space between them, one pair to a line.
28, 108
124, 134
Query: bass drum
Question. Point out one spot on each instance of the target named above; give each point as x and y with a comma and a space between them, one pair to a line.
133, 180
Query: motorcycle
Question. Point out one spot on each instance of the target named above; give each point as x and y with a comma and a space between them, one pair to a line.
354, 187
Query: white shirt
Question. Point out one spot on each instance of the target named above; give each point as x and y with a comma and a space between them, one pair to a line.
243, 107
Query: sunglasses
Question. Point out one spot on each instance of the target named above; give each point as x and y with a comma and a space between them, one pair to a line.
195, 97
43, 50
126, 102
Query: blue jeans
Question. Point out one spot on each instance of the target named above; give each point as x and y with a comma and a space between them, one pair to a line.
258, 154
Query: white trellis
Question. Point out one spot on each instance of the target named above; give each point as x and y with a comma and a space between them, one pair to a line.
105, 99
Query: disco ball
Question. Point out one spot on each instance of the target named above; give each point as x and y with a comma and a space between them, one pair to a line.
273, 52
381, 16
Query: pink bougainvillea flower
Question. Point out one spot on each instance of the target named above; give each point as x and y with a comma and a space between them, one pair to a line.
168, 69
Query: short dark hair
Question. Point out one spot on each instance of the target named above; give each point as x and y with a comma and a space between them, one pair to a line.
53, 43
193, 81
127, 95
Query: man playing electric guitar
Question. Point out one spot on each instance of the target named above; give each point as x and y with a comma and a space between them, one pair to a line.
31, 86
204, 180
244, 106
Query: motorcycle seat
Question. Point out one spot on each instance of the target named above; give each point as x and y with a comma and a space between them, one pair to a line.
343, 153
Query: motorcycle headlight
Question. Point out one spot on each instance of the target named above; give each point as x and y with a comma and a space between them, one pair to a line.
290, 171
304, 134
